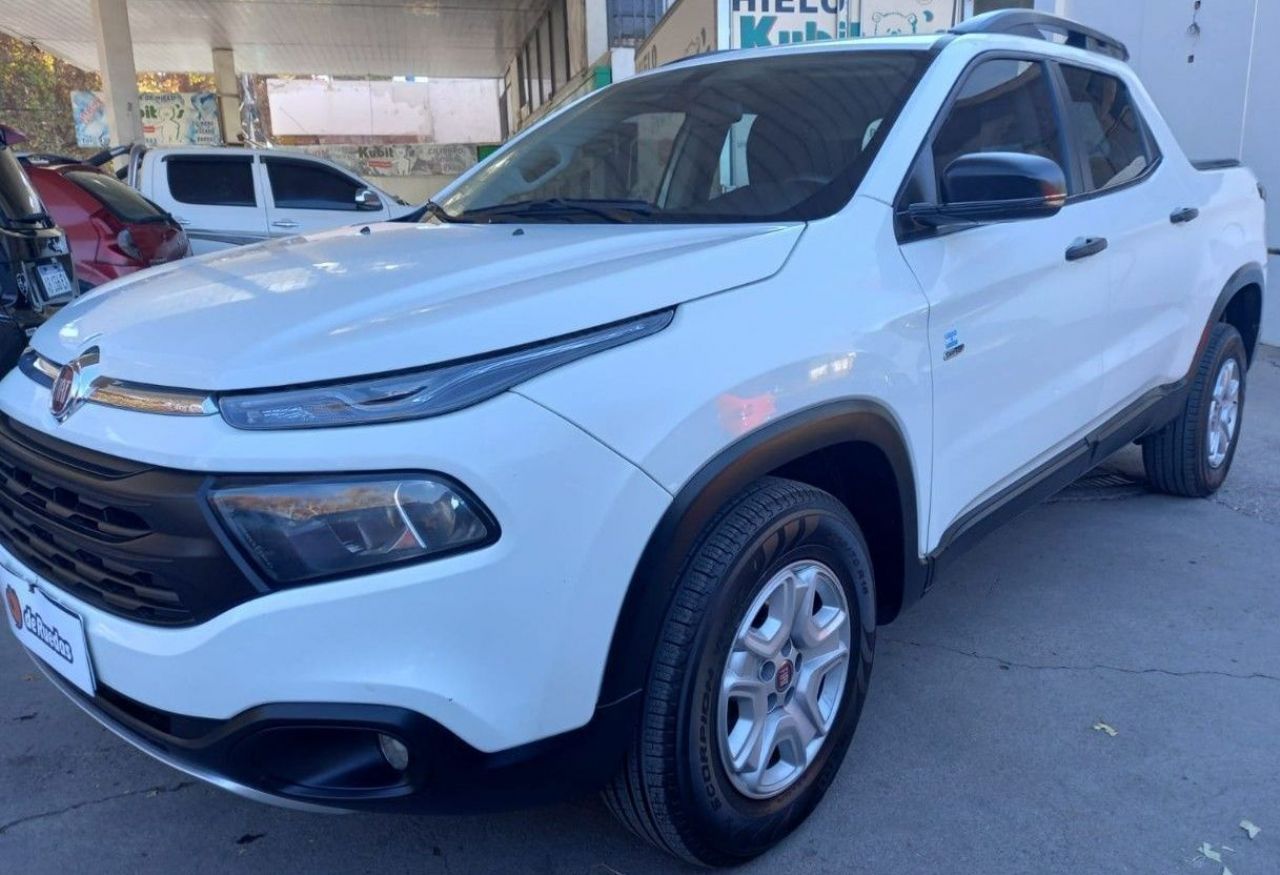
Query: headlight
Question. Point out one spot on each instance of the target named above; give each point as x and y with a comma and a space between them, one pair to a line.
428, 392
308, 530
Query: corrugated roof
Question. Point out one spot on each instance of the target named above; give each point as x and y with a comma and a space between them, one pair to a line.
463, 38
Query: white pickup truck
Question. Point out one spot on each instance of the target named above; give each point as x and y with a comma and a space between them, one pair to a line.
229, 197
606, 472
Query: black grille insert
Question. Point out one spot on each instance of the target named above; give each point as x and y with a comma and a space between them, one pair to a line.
131, 539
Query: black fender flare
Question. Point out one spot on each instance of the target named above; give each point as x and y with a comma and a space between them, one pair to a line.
1250, 274
753, 456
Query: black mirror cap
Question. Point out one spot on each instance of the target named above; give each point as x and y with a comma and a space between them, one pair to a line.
1002, 176
996, 187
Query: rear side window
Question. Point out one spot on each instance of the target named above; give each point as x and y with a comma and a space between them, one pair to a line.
1112, 136
224, 182
300, 185
1004, 106
125, 203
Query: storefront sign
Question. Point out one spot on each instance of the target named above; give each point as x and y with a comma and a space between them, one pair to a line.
180, 118
755, 23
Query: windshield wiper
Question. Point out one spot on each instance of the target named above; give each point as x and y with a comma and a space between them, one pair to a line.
618, 211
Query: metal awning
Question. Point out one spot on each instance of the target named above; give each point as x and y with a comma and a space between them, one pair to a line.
448, 38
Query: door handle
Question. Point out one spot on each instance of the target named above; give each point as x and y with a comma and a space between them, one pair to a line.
1086, 246
284, 223
1184, 215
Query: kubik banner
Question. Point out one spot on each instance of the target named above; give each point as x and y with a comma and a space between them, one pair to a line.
780, 22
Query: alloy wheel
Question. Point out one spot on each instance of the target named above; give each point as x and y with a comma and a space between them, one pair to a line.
784, 679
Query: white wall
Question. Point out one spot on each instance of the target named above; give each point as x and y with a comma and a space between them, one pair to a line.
1261, 136
430, 111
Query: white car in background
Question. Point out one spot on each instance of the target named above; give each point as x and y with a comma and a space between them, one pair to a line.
226, 196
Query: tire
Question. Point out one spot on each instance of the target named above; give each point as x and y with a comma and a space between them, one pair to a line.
1185, 457
675, 789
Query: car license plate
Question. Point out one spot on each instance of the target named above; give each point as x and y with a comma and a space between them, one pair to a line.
55, 280
47, 629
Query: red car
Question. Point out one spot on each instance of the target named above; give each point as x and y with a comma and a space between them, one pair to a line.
113, 230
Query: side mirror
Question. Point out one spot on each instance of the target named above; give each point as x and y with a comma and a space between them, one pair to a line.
367, 199
995, 187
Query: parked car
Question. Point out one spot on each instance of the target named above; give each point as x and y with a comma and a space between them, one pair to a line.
36, 273
113, 230
229, 196
606, 472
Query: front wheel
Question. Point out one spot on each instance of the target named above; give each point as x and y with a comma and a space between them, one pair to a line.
759, 677
1192, 454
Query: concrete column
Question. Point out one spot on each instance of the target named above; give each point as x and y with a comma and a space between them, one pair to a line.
596, 13
115, 65
228, 87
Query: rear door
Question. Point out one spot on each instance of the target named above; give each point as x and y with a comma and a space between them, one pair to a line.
216, 198
1144, 211
305, 195
1012, 321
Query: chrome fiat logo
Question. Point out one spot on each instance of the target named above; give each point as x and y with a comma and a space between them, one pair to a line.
73, 384
786, 672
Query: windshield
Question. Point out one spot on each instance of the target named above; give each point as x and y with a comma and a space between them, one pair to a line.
18, 199
750, 140
125, 203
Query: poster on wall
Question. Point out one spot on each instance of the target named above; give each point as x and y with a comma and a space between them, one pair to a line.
906, 17
180, 118
756, 23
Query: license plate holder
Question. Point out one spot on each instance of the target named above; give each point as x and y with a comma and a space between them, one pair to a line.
49, 630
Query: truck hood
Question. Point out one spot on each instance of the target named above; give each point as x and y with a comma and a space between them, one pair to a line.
353, 302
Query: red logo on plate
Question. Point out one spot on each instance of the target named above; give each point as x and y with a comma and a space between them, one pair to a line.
15, 606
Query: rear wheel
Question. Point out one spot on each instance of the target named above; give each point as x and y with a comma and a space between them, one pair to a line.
1192, 454
758, 681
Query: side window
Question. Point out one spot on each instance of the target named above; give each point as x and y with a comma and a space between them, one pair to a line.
301, 185
1111, 134
1004, 106
223, 182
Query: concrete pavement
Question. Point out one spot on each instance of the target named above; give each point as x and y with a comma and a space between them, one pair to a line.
1157, 616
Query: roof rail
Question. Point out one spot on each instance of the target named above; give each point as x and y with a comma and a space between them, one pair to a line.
1041, 25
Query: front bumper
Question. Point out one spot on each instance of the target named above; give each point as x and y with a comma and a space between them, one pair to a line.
500, 647
324, 757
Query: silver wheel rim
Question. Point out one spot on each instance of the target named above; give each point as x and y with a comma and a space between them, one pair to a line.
1224, 413
784, 679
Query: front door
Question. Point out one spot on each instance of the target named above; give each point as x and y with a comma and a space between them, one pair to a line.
1012, 320
305, 196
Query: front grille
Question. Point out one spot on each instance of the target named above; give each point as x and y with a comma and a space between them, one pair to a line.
131, 539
